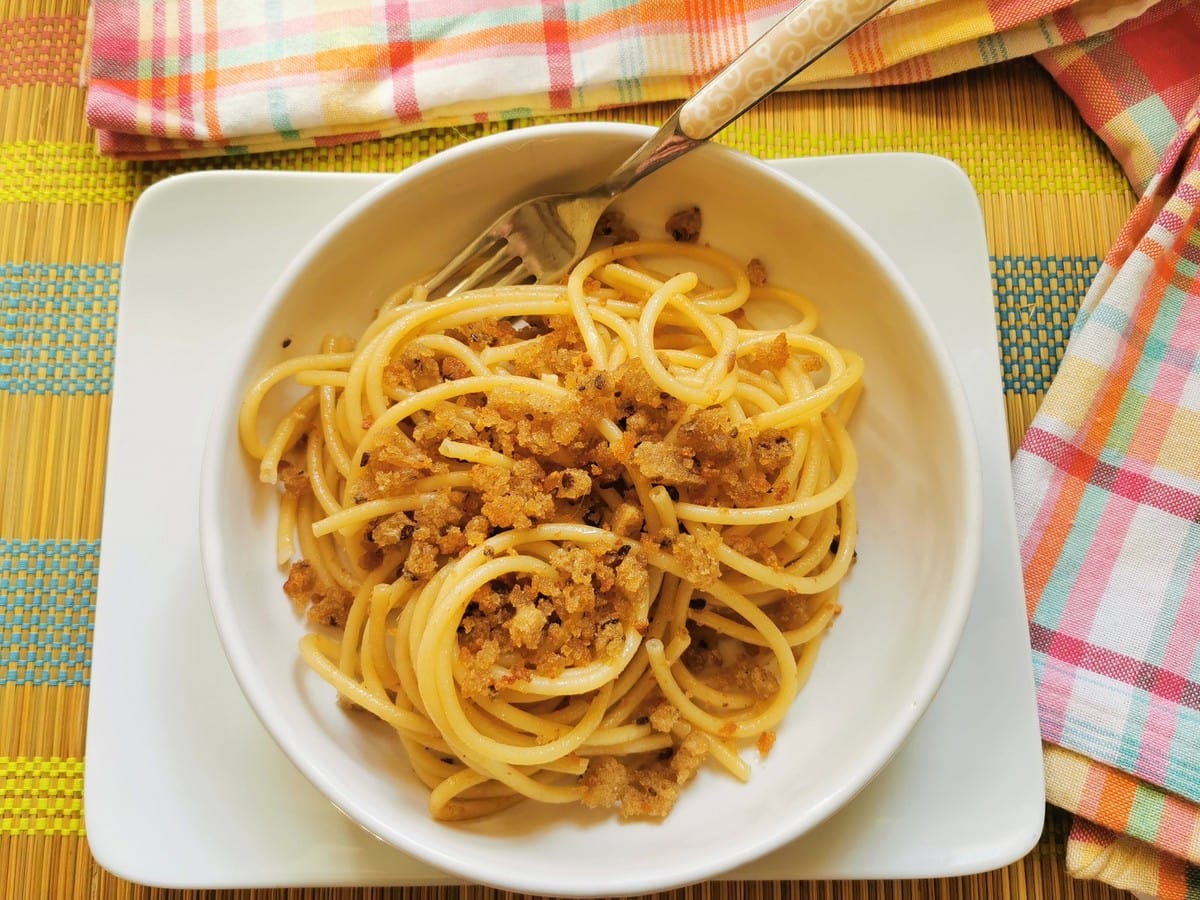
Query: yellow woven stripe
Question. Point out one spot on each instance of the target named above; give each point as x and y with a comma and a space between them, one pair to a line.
72, 172
41, 795
997, 161
62, 172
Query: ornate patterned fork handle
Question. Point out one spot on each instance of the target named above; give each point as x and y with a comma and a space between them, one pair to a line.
795, 41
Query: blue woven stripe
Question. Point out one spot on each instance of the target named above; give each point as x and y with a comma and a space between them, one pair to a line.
57, 327
47, 608
59, 321
1037, 298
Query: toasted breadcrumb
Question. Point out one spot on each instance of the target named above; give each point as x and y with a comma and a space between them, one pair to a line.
293, 478
568, 484
325, 603
544, 626
748, 675
765, 742
773, 355
392, 530
611, 224
667, 463
627, 520
454, 368
643, 790
696, 552
756, 272
664, 717
684, 226
513, 498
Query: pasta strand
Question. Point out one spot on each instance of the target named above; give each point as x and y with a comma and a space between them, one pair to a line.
574, 539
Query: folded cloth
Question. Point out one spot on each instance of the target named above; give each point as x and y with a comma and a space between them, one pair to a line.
1107, 483
178, 78
1127, 832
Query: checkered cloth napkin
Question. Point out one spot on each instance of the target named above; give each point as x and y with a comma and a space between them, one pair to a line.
1108, 484
172, 78
1108, 478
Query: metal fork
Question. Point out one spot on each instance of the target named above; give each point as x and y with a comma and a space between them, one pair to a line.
544, 237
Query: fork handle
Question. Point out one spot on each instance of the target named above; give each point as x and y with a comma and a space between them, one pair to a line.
790, 45
798, 39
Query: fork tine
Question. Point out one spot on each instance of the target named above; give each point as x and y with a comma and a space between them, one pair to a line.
520, 273
477, 246
494, 263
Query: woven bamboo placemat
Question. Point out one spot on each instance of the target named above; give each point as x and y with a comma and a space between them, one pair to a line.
1053, 201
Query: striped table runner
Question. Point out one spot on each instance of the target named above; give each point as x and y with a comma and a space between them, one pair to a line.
1053, 201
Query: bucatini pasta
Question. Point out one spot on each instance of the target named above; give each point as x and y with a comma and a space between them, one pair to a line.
571, 540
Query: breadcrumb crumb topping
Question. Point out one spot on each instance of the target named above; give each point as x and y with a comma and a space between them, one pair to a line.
544, 460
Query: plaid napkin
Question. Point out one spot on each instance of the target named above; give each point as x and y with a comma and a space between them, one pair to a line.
181, 78
1108, 484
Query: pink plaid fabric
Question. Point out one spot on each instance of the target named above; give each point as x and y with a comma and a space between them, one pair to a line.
171, 78
1136, 84
1108, 479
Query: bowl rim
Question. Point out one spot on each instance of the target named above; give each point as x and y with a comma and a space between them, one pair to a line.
670, 874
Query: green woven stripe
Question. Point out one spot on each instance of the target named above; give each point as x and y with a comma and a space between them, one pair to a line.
47, 610
1036, 301
57, 328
